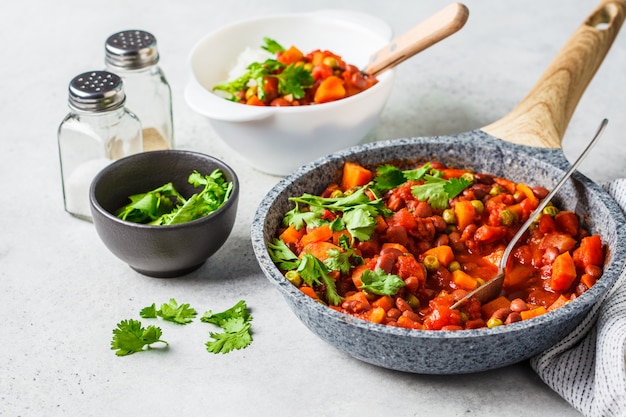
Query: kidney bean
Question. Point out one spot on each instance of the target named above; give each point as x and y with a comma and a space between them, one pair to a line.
468, 232
411, 315
518, 305
439, 223
403, 305
422, 209
442, 240
483, 178
540, 192
501, 314
386, 262
593, 270
394, 313
514, 317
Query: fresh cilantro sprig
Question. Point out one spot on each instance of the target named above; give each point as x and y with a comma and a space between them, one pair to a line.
166, 206
282, 255
358, 212
171, 311
389, 176
437, 191
381, 283
236, 323
292, 79
130, 337
315, 272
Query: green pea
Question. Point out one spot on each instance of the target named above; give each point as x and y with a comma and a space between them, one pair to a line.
413, 301
495, 190
448, 216
478, 206
454, 266
493, 322
431, 263
469, 176
550, 211
507, 217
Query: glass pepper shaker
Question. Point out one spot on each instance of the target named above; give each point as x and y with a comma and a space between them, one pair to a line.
97, 130
133, 55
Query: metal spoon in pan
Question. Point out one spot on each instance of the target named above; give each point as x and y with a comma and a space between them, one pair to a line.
439, 26
492, 288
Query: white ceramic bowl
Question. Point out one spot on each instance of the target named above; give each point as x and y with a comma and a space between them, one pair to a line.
277, 140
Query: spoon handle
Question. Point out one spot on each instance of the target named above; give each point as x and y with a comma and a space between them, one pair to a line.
434, 29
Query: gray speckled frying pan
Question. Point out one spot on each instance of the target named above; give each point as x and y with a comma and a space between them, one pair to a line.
525, 145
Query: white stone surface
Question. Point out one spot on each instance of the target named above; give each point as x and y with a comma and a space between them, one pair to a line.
62, 292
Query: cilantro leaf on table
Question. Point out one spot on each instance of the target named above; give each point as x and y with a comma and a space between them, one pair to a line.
272, 46
381, 283
236, 323
171, 311
437, 191
130, 337
315, 272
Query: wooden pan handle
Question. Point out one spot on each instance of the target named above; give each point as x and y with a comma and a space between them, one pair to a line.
434, 29
541, 118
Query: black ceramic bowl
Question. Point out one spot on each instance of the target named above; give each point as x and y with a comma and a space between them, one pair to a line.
160, 251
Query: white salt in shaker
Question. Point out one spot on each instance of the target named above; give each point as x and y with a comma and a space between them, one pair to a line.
98, 130
133, 55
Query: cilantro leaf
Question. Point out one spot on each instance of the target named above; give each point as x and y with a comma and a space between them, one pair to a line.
299, 218
181, 314
389, 176
361, 222
282, 255
272, 46
315, 272
236, 323
130, 337
381, 283
149, 312
294, 80
437, 191
150, 206
229, 341
341, 260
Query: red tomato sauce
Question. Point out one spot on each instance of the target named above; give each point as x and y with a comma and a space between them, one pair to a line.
426, 256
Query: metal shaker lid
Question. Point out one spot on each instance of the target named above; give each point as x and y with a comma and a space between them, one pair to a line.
131, 50
96, 91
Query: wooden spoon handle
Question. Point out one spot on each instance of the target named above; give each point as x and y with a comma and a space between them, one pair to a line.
541, 118
434, 29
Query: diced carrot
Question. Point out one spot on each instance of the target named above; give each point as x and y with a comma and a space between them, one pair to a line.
535, 312
292, 235
563, 272
490, 234
290, 56
518, 276
465, 212
319, 234
567, 222
381, 224
560, 302
443, 253
588, 280
310, 292
330, 89
397, 246
490, 307
385, 302
354, 175
376, 315
407, 323
254, 101
528, 192
464, 280
319, 249
359, 300
452, 172
590, 252
356, 275
495, 256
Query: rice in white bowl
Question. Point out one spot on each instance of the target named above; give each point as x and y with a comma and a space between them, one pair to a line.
247, 57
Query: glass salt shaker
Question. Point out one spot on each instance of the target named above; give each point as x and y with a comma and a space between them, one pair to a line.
133, 55
98, 130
